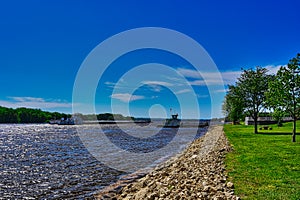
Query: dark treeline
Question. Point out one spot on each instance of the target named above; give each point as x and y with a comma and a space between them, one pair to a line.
28, 115
104, 116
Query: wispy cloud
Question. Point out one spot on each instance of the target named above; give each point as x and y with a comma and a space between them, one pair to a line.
27, 99
211, 78
126, 97
189, 73
34, 102
220, 91
162, 83
183, 91
272, 69
156, 86
110, 84
206, 82
119, 85
229, 77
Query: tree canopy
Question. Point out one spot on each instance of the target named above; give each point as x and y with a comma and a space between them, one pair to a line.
284, 91
256, 90
233, 107
248, 94
28, 115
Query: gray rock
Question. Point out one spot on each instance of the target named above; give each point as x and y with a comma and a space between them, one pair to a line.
230, 185
197, 173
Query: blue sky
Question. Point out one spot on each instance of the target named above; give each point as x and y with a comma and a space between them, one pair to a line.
43, 44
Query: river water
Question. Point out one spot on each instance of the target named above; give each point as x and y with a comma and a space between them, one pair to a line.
40, 161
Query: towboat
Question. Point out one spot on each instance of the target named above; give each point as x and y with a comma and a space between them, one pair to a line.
173, 122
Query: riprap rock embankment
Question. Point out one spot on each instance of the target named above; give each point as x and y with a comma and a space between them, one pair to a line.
197, 173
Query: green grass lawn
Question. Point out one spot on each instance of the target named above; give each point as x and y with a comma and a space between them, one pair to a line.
264, 165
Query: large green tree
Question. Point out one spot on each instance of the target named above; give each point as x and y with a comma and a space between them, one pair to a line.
249, 92
284, 90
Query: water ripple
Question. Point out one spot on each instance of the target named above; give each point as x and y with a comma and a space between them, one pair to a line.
50, 161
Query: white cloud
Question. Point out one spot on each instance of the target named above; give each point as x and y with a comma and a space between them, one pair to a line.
33, 102
189, 73
183, 91
27, 99
121, 84
197, 82
272, 69
221, 91
229, 77
126, 97
162, 83
110, 84
207, 82
156, 86
211, 78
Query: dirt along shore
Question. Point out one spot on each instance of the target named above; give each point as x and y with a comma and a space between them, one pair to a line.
197, 173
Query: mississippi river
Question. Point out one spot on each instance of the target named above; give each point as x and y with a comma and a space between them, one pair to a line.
42, 161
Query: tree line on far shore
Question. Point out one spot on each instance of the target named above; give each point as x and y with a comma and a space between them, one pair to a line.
29, 115
257, 90
103, 116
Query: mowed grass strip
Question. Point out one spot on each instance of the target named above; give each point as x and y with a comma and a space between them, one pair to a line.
264, 165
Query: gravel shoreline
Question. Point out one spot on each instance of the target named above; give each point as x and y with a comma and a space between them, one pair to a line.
197, 173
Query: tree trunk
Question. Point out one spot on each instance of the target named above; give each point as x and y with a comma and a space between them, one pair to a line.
294, 130
255, 124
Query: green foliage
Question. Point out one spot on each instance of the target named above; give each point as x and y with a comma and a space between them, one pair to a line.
265, 114
284, 90
88, 117
8, 115
252, 86
233, 104
103, 116
263, 166
278, 115
248, 95
256, 90
110, 116
28, 115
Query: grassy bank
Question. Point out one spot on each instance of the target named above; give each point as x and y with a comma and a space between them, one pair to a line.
265, 165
